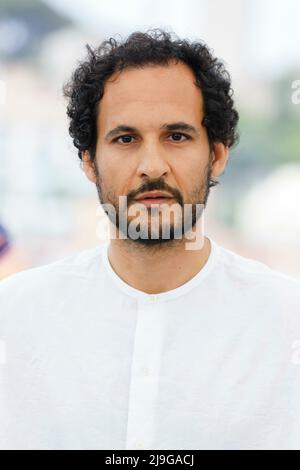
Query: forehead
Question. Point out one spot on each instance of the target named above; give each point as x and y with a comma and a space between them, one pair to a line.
151, 95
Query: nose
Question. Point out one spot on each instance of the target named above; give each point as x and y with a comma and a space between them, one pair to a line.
152, 161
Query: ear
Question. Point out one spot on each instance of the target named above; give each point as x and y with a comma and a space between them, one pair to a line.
88, 166
221, 154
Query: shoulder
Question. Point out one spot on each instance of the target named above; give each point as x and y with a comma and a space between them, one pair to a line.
259, 287
249, 271
75, 264
268, 298
42, 282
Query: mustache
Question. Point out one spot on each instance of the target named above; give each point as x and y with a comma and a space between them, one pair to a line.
155, 185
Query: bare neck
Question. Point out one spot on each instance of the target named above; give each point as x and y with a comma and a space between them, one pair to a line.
154, 271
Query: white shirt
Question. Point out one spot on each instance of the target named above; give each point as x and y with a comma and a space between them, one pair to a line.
89, 362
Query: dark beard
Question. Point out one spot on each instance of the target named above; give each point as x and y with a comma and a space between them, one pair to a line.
190, 217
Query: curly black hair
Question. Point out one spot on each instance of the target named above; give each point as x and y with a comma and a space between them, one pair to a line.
154, 47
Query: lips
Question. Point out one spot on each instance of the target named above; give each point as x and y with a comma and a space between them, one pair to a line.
154, 199
154, 195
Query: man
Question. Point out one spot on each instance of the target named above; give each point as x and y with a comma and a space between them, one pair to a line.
151, 342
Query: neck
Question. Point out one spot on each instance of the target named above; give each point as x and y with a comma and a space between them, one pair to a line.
154, 271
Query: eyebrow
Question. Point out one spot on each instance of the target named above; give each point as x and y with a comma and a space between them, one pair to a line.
175, 126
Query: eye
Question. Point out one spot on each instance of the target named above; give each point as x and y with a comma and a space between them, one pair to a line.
126, 139
178, 136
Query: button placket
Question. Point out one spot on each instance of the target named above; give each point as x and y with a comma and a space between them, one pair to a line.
144, 374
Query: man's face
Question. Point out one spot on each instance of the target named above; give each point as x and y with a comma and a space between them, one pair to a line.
152, 155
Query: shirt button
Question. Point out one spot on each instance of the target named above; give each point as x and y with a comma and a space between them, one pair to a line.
145, 371
139, 445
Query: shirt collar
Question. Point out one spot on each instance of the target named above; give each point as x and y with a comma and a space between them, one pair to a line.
170, 294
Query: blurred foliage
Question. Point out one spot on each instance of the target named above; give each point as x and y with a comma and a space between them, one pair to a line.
275, 137
267, 140
285, 127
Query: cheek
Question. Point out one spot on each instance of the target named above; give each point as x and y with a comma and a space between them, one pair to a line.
189, 178
188, 170
119, 172
114, 177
